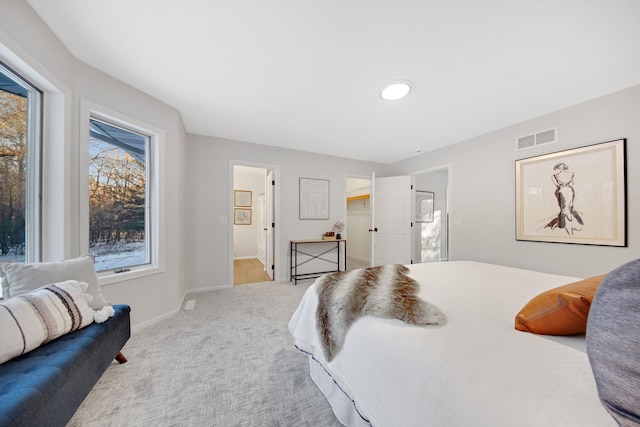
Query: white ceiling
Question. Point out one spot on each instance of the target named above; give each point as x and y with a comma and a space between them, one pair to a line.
306, 75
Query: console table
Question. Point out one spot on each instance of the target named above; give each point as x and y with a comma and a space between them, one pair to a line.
328, 252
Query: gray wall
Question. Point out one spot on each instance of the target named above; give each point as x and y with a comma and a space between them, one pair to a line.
208, 197
483, 187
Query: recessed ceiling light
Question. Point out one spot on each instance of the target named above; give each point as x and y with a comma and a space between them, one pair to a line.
395, 90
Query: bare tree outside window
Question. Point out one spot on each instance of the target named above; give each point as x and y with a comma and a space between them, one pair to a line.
13, 175
117, 200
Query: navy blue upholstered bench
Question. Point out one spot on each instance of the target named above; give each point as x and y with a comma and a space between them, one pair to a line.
46, 386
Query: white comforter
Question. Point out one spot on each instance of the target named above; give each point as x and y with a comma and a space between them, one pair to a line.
477, 370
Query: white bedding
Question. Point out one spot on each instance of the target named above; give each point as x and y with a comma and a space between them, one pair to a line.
476, 370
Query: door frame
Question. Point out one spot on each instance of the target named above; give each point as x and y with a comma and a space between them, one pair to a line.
276, 209
449, 168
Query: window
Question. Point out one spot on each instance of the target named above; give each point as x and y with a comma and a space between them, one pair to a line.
117, 196
121, 211
20, 130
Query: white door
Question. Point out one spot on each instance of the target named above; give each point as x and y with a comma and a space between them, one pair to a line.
391, 220
269, 223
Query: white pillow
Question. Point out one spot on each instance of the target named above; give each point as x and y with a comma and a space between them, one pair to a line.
18, 278
32, 319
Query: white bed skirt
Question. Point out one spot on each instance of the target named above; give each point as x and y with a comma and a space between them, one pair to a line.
343, 406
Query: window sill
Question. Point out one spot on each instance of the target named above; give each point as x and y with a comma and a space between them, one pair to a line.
110, 277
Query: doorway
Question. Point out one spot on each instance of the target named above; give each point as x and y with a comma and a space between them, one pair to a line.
252, 222
358, 222
410, 217
430, 239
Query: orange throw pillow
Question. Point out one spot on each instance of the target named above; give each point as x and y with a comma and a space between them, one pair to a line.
560, 311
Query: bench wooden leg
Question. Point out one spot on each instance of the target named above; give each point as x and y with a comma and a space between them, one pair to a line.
120, 358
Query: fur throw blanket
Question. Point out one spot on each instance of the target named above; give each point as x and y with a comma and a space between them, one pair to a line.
385, 291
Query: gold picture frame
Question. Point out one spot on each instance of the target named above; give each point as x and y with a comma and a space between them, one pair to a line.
242, 198
242, 216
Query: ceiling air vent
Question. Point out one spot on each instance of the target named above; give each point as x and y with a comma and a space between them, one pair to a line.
533, 140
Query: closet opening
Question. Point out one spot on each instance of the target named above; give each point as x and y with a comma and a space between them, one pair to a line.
358, 222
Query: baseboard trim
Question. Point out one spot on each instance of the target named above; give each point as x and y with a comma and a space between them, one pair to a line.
139, 327
207, 289
357, 259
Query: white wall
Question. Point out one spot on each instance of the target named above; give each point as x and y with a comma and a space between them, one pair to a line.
483, 187
207, 191
25, 35
245, 241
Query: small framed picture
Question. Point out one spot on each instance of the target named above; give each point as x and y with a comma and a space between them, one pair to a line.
424, 206
242, 198
242, 216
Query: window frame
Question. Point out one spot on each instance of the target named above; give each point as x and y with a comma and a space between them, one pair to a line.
154, 189
34, 164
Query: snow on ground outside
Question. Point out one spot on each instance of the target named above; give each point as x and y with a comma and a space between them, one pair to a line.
119, 255
107, 257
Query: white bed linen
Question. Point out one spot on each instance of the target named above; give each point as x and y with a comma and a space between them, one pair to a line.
476, 370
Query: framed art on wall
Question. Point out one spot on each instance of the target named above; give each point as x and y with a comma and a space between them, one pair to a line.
242, 198
241, 216
573, 196
314, 198
424, 206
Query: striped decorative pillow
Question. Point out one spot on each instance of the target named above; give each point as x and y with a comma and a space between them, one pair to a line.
30, 320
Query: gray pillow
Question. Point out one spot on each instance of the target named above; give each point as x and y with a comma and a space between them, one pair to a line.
18, 278
613, 343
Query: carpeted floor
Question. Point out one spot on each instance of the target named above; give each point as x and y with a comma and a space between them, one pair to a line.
228, 362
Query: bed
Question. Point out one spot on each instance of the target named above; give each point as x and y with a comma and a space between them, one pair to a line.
476, 370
